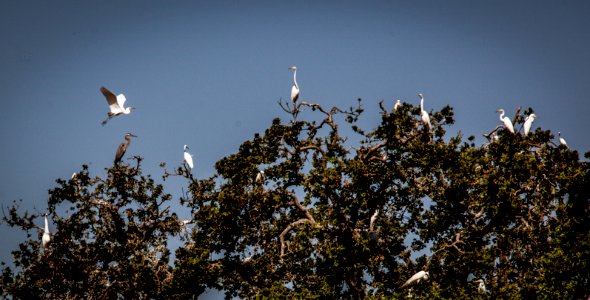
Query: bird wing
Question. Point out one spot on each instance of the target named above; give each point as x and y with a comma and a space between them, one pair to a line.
414, 278
121, 100
426, 118
508, 124
120, 152
189, 159
111, 98
294, 93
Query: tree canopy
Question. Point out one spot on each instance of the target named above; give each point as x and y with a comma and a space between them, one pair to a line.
340, 212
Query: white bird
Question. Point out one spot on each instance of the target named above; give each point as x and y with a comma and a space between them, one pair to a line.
528, 122
295, 88
562, 140
398, 103
116, 104
506, 120
46, 235
373, 218
188, 158
481, 287
423, 113
259, 177
417, 277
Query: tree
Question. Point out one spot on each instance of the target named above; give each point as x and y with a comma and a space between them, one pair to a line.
341, 212
110, 242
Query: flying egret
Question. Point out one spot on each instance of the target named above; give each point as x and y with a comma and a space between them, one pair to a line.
116, 104
398, 103
423, 113
295, 88
46, 235
506, 120
188, 158
123, 147
417, 277
562, 140
259, 177
481, 287
528, 122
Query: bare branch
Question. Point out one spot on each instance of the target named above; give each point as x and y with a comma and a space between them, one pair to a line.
285, 231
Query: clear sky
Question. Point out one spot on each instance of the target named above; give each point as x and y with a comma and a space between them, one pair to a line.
209, 74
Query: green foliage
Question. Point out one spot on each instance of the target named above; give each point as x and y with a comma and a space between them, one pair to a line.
332, 219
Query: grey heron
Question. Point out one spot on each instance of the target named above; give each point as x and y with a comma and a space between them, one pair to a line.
562, 140
188, 158
123, 147
295, 88
116, 104
417, 277
528, 122
423, 113
506, 120
46, 235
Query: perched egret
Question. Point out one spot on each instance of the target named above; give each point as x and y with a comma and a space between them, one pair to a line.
423, 113
562, 140
417, 277
372, 220
295, 88
481, 287
528, 122
506, 120
46, 235
116, 104
123, 147
398, 103
259, 177
188, 158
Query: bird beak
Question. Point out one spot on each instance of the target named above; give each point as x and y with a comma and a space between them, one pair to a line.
133, 135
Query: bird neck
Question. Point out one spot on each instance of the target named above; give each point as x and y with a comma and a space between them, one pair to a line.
295, 78
46, 225
422, 104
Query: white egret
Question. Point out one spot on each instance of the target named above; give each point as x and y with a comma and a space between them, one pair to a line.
562, 140
528, 122
46, 235
259, 177
481, 287
417, 277
295, 88
188, 158
123, 148
398, 103
116, 104
423, 113
506, 120
372, 220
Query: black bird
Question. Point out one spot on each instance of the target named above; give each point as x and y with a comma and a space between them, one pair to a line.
123, 147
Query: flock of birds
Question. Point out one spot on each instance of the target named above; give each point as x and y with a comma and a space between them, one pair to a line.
117, 107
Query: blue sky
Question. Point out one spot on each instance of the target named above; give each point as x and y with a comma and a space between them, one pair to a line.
209, 74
